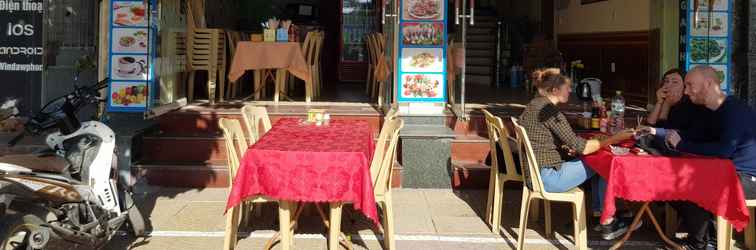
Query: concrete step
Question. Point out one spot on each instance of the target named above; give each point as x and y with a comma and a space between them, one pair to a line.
470, 175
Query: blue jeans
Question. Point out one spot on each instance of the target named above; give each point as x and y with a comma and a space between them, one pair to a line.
570, 175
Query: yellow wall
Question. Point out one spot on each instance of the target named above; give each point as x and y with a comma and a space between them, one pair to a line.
607, 16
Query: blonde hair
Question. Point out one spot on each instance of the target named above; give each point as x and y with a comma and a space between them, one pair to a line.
549, 79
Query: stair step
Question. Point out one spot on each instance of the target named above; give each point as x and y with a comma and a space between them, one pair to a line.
479, 70
491, 38
470, 175
490, 46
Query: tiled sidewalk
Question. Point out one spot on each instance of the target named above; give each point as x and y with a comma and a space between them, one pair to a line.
425, 219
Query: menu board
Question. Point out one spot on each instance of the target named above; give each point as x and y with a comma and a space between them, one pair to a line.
422, 51
707, 30
132, 55
21, 51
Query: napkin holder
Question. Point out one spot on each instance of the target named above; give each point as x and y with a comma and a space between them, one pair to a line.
269, 35
315, 115
282, 35
256, 38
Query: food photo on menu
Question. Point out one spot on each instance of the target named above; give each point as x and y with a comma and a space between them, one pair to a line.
128, 40
129, 67
423, 10
129, 94
422, 60
422, 34
422, 86
129, 14
708, 50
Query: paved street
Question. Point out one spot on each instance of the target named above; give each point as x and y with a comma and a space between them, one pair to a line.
425, 219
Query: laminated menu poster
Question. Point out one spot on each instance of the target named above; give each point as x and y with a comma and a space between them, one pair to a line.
21, 52
132, 55
422, 52
707, 29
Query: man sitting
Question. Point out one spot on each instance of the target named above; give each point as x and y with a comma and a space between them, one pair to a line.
735, 126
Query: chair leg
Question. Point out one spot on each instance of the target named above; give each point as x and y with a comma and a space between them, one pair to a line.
190, 86
535, 207
211, 82
232, 227
334, 230
388, 222
490, 202
222, 80
524, 209
581, 233
724, 234
258, 79
547, 218
670, 220
284, 222
750, 232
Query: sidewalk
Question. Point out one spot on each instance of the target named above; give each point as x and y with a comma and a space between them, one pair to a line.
425, 219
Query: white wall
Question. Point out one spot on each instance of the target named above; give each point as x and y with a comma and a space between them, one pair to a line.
606, 16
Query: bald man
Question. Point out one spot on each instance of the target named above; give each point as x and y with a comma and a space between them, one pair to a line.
734, 125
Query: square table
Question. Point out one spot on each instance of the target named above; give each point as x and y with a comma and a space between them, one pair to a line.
299, 162
711, 183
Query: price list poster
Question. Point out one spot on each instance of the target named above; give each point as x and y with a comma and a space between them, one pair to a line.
21, 52
132, 55
707, 32
422, 51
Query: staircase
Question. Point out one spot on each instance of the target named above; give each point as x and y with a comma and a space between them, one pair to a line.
481, 49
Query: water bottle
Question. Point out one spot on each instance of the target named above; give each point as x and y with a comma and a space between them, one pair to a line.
618, 112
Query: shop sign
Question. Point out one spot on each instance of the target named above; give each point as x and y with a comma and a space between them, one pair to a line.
422, 52
132, 55
21, 51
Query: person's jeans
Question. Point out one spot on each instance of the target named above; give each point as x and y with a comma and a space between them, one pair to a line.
570, 175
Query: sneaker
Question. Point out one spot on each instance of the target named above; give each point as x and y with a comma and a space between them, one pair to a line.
618, 227
626, 214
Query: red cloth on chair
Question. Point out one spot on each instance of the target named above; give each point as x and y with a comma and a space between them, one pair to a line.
299, 162
711, 183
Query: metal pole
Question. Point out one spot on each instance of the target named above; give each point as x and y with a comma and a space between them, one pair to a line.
463, 111
497, 61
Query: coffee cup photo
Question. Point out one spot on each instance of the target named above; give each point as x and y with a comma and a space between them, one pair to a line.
130, 67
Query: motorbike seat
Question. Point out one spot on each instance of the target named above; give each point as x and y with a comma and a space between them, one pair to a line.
37, 163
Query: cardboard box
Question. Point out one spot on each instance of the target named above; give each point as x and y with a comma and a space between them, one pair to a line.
269, 35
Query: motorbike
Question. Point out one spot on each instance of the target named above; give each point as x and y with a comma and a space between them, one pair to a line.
68, 196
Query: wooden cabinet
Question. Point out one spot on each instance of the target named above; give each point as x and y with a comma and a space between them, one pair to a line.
625, 61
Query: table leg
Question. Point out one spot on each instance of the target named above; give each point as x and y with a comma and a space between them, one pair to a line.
645, 210
284, 222
724, 234
258, 80
334, 229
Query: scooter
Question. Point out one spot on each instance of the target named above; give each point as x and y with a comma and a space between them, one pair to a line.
68, 196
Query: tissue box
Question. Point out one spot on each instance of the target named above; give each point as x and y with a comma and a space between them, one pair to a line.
282, 35
269, 35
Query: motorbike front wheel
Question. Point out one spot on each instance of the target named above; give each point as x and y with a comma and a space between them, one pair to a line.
24, 232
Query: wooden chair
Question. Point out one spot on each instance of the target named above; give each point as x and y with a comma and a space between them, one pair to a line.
256, 118
498, 134
372, 62
380, 172
536, 191
236, 144
724, 230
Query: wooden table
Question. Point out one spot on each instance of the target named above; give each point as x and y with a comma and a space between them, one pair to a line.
283, 57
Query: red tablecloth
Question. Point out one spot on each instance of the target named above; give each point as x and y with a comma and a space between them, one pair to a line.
709, 182
309, 163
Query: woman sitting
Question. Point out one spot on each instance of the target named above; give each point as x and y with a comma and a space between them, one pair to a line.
556, 144
674, 110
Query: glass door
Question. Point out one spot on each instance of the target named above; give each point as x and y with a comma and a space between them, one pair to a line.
358, 19
463, 17
390, 22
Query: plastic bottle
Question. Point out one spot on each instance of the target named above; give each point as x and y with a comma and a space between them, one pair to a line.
618, 112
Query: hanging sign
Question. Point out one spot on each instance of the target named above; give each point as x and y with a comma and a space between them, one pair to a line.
708, 37
132, 55
422, 51
21, 51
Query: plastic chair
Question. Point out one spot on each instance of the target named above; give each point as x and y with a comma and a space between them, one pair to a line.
380, 172
236, 145
206, 51
233, 38
255, 118
498, 134
536, 191
724, 230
